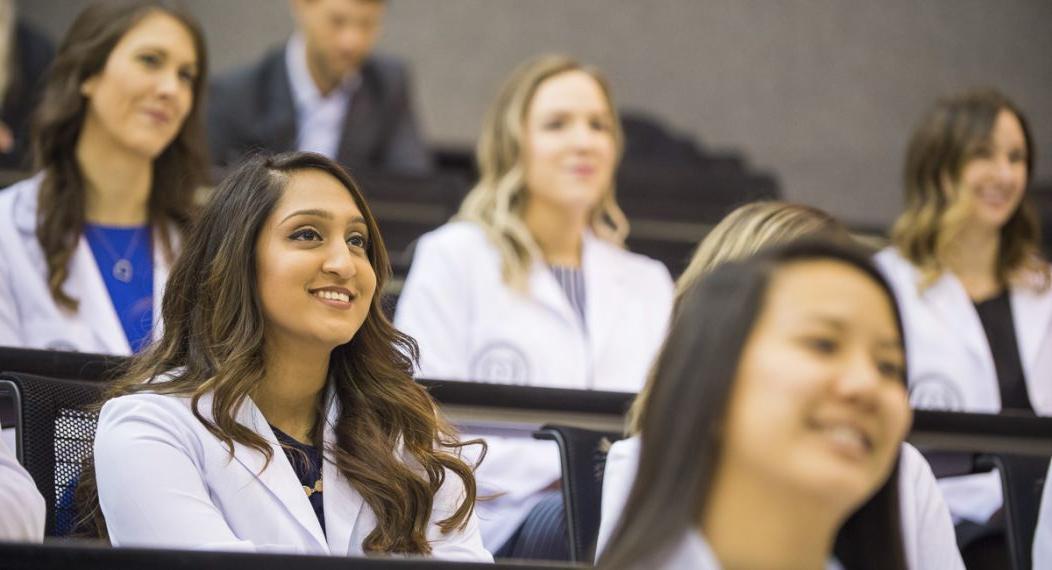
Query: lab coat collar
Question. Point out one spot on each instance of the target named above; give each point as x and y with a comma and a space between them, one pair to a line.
603, 282
1032, 317
951, 303
605, 288
280, 479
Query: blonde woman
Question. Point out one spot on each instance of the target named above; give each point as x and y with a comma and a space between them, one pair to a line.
927, 531
531, 284
969, 277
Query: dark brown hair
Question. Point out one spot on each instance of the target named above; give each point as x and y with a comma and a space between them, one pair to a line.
680, 451
177, 172
953, 132
213, 343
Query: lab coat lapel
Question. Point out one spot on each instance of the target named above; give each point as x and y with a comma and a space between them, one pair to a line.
955, 309
161, 269
604, 293
86, 285
546, 290
278, 477
343, 504
1031, 315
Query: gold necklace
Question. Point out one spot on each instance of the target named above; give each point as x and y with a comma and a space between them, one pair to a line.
317, 488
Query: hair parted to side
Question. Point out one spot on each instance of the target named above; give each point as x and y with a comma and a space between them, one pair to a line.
953, 132
213, 342
496, 202
741, 233
178, 171
680, 451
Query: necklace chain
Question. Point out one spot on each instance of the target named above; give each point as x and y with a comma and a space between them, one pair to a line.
122, 269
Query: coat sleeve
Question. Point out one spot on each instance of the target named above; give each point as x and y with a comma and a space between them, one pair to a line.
22, 505
464, 545
151, 488
434, 308
1043, 533
927, 528
9, 321
622, 462
405, 150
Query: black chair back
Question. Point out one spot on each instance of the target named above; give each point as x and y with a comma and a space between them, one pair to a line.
60, 364
583, 456
56, 433
1022, 482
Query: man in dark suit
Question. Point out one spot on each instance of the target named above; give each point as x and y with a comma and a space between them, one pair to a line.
323, 91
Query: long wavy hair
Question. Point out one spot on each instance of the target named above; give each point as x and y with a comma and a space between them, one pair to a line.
213, 343
687, 411
496, 203
952, 133
178, 171
743, 232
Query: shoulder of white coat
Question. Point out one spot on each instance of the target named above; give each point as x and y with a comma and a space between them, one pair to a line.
165, 413
627, 448
455, 237
639, 266
19, 201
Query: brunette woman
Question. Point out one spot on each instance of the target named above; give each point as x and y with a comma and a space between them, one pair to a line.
278, 410
85, 244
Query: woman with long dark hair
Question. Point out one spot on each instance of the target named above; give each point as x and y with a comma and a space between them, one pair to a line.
85, 244
278, 410
776, 414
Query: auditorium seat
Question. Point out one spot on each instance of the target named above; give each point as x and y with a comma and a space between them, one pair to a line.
61, 364
1022, 482
582, 453
55, 434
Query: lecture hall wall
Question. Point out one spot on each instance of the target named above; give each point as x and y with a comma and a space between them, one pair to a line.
820, 92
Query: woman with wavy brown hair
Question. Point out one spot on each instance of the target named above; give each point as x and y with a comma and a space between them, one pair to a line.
85, 244
974, 289
278, 411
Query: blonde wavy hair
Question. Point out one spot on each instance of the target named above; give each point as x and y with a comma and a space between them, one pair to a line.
952, 133
740, 234
496, 202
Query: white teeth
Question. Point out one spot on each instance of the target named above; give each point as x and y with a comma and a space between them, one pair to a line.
847, 436
333, 296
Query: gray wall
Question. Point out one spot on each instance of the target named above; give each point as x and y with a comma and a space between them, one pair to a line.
821, 92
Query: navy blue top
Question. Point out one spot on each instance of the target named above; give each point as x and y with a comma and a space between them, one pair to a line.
996, 315
306, 462
132, 295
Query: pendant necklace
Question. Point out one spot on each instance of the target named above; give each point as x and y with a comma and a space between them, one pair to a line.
122, 268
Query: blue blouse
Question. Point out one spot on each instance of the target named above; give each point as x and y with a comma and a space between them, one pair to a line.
124, 256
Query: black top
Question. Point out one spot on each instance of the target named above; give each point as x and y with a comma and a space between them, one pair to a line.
306, 462
996, 316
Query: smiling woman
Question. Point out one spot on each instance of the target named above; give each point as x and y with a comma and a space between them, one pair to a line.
85, 244
776, 413
973, 285
531, 284
278, 412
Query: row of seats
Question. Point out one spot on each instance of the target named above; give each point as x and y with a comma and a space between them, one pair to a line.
52, 392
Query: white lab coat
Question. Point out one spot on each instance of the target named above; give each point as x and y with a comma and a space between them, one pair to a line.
165, 481
927, 530
1043, 534
29, 317
471, 326
951, 366
20, 502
